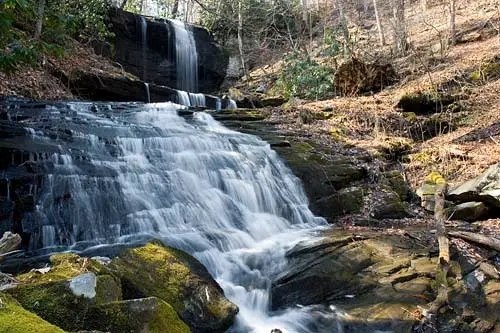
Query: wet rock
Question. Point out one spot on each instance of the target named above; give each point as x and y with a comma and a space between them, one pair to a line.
157, 63
180, 280
374, 278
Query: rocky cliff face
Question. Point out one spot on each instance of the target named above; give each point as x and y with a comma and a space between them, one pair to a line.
156, 62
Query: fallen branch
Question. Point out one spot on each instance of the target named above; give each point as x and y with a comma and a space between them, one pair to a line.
490, 242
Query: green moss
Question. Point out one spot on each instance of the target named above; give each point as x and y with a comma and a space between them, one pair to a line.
54, 302
108, 289
15, 319
486, 72
65, 266
144, 315
155, 271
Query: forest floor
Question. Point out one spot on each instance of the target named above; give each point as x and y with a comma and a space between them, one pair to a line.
469, 140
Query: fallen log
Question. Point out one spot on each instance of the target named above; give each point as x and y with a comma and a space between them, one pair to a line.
487, 241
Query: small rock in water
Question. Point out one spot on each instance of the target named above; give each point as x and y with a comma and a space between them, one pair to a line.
276, 330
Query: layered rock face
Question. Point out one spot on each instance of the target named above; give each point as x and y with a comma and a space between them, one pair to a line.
147, 49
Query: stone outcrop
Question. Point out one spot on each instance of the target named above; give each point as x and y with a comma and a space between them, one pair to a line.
148, 289
180, 280
157, 63
382, 281
476, 199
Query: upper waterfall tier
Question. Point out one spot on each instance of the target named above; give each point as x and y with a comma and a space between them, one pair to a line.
176, 55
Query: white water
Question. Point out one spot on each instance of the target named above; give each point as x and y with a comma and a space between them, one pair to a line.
183, 98
223, 196
231, 105
186, 57
197, 99
148, 95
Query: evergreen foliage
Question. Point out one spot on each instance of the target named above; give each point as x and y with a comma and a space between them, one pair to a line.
62, 20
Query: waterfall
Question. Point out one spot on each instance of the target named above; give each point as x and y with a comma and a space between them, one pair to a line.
197, 99
186, 57
127, 173
148, 94
231, 104
218, 104
144, 39
183, 98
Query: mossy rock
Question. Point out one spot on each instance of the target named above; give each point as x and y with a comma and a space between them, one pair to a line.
64, 266
180, 280
15, 319
426, 102
54, 302
146, 315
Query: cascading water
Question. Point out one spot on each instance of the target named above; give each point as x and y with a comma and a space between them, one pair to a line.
132, 172
197, 99
183, 98
186, 57
231, 104
148, 94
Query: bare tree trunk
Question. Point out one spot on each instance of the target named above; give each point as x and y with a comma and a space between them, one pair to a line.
124, 2
240, 39
400, 32
381, 36
345, 28
39, 19
175, 8
453, 34
423, 4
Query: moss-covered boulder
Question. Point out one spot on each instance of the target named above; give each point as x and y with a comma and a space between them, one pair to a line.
15, 319
180, 280
145, 315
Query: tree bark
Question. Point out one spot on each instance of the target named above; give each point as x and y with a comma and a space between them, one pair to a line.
400, 32
490, 242
453, 34
175, 8
345, 28
39, 20
240, 39
381, 36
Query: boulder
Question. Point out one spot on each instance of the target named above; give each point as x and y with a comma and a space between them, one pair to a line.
180, 280
9, 242
375, 278
468, 211
15, 319
78, 293
145, 315
386, 204
484, 188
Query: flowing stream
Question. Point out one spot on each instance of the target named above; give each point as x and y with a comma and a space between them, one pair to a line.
126, 173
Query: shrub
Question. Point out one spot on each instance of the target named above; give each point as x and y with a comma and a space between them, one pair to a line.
303, 77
